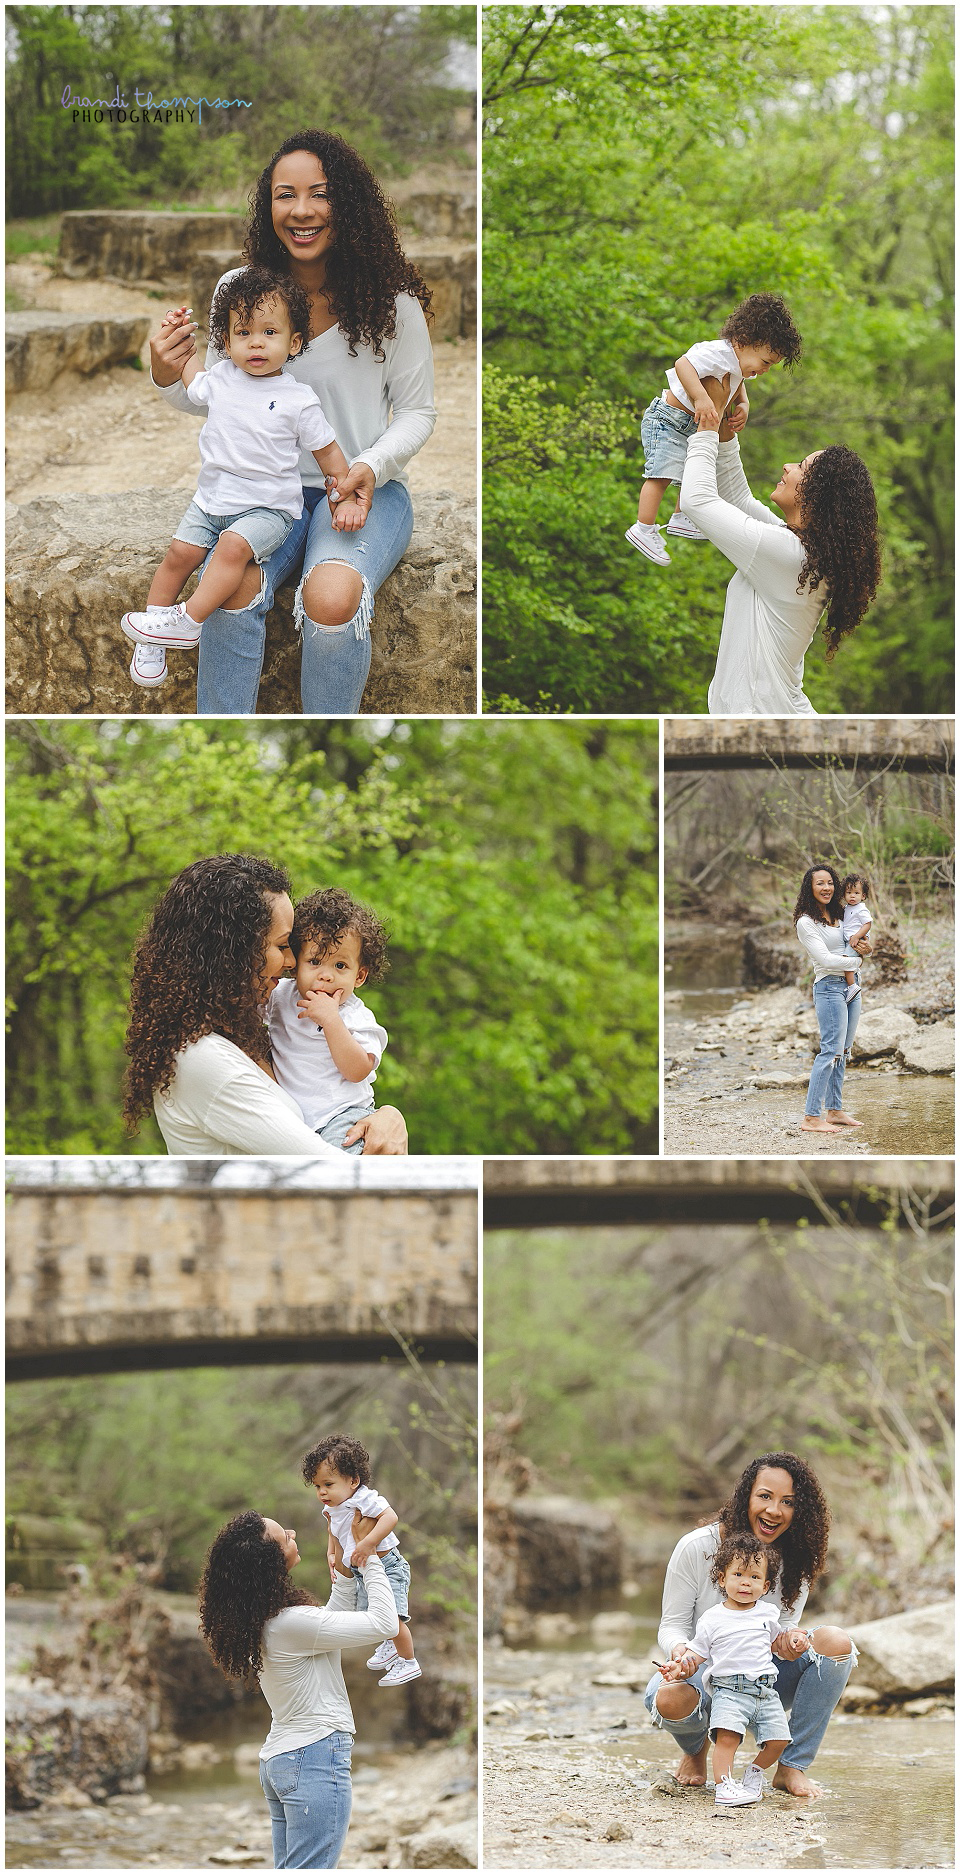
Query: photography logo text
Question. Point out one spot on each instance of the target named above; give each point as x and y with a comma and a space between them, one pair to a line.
144, 108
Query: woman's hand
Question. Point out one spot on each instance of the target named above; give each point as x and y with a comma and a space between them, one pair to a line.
172, 348
707, 414
790, 1644
384, 1132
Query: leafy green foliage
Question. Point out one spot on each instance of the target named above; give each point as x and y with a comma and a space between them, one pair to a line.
634, 193
514, 864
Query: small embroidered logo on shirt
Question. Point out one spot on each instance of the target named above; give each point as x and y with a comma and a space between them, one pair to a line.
271, 406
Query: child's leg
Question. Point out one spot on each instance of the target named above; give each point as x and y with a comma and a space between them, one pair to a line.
849, 976
227, 564
404, 1646
651, 495
771, 1753
181, 559
724, 1751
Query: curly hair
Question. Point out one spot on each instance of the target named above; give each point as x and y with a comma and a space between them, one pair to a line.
249, 289
803, 1547
808, 906
838, 529
856, 878
348, 1457
745, 1545
194, 967
365, 267
244, 1583
326, 916
764, 319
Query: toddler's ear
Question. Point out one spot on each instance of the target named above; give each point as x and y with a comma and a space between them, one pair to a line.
362, 975
296, 344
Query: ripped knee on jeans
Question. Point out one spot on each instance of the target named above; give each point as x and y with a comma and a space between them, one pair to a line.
361, 617
258, 597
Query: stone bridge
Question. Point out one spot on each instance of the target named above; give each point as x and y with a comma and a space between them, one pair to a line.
912, 744
118, 1280
523, 1194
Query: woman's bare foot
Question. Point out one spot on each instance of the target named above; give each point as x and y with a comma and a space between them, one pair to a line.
843, 1119
795, 1782
693, 1770
817, 1125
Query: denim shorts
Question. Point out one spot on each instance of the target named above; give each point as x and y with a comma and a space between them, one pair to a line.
664, 433
397, 1571
264, 529
741, 1704
334, 1130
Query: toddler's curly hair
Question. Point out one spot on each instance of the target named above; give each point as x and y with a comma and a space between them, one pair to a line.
764, 319
745, 1546
856, 878
246, 291
325, 916
347, 1455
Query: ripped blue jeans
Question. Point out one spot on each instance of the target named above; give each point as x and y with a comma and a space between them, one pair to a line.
335, 661
838, 1021
808, 1687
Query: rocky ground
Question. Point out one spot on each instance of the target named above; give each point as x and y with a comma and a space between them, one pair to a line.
735, 1082
111, 432
576, 1776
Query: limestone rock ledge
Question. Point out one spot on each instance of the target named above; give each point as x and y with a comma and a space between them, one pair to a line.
39, 345
77, 562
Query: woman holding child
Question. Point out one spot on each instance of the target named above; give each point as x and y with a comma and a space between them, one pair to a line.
253, 1618
778, 1500
819, 916
204, 969
320, 218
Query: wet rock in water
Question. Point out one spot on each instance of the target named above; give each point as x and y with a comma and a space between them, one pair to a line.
771, 955
882, 1031
616, 1831
436, 1706
909, 1653
559, 1553
932, 1052
440, 1847
550, 1627
608, 1626
57, 1740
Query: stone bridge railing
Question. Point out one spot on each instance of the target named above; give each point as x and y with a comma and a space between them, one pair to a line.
912, 743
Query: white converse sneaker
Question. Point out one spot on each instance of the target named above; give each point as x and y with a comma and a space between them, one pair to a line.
648, 543
753, 1780
385, 1655
401, 1671
731, 1795
679, 524
162, 624
853, 989
148, 665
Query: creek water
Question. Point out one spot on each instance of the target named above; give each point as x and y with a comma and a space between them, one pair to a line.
888, 1780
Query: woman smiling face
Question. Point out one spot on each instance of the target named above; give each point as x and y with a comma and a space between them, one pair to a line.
823, 888
300, 207
772, 1503
277, 955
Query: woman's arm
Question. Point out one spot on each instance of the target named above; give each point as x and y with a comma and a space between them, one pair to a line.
224, 1094
772, 552
681, 1589
328, 1629
734, 487
410, 388
817, 948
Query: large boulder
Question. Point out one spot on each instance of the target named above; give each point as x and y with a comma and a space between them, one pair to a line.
137, 244
440, 1847
42, 344
75, 563
60, 1740
561, 1549
449, 213
771, 954
908, 1653
931, 1051
882, 1031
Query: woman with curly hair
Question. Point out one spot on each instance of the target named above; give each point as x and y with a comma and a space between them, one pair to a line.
214, 950
819, 920
319, 215
254, 1620
779, 1499
822, 556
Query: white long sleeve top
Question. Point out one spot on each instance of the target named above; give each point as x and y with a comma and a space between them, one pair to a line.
221, 1104
825, 944
767, 623
301, 1677
688, 1591
359, 393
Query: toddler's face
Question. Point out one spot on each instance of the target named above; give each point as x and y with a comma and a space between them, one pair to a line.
745, 1581
261, 344
334, 969
756, 360
853, 894
331, 1487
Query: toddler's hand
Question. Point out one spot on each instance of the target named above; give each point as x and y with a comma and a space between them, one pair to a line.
362, 1552
348, 515
707, 415
317, 1006
737, 417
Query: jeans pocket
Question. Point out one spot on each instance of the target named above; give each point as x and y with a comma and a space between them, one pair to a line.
284, 1772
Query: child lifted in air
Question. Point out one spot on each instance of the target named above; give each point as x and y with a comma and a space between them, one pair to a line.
325, 1043
857, 922
339, 1470
249, 493
736, 1639
710, 375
